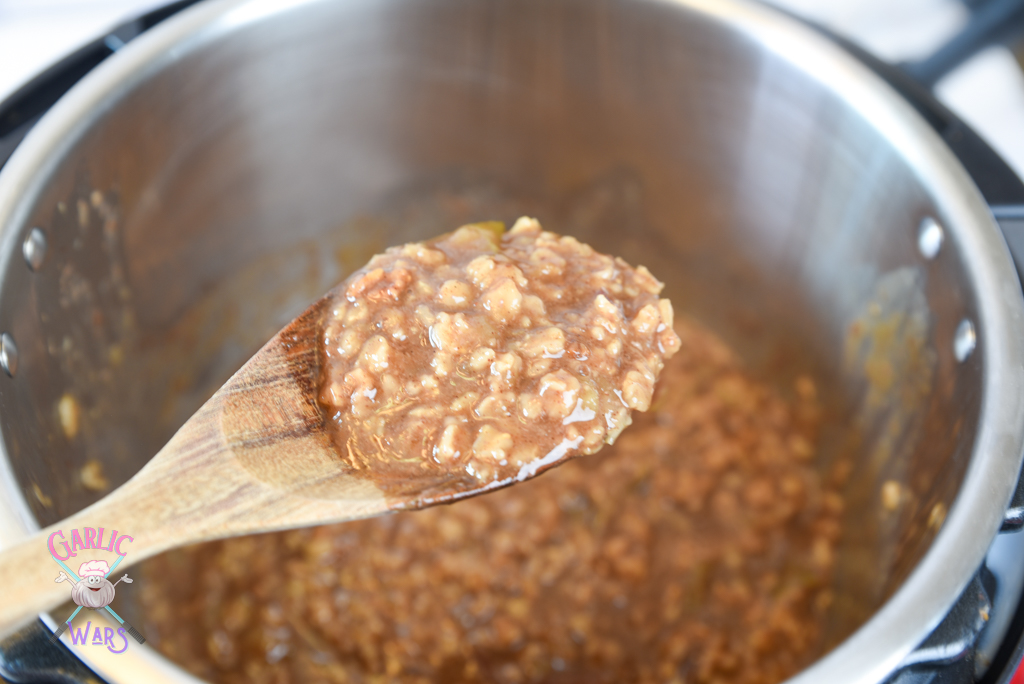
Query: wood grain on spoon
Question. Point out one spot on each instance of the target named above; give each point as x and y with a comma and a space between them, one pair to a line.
260, 454
256, 457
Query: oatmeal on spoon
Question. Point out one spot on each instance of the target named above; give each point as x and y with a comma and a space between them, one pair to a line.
480, 358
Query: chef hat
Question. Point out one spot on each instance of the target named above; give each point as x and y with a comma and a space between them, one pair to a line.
94, 567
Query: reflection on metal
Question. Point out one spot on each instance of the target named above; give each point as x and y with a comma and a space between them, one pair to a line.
8, 355
964, 341
34, 248
955, 636
929, 239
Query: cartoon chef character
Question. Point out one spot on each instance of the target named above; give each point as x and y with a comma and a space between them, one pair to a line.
94, 590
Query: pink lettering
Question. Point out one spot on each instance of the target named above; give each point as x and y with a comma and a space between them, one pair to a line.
121, 539
90, 538
53, 550
76, 542
113, 538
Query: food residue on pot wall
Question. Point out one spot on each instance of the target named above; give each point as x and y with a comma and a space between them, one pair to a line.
70, 414
92, 476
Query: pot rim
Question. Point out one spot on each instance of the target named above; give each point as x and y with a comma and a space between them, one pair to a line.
876, 649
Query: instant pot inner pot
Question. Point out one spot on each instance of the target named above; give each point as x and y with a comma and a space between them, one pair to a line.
214, 197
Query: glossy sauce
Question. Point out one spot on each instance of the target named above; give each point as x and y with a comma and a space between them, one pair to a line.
480, 358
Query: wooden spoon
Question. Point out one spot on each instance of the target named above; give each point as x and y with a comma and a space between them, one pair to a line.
258, 456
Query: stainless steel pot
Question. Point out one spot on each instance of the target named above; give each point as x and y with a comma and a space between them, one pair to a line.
197, 189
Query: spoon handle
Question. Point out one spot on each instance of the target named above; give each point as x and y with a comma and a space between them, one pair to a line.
33, 573
183, 494
215, 478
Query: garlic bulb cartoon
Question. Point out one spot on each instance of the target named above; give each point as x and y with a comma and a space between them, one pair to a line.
94, 590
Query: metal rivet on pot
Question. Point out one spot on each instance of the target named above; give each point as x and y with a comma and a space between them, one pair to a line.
929, 238
965, 340
34, 248
8, 355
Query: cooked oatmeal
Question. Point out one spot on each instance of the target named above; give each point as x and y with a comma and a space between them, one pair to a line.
696, 549
484, 357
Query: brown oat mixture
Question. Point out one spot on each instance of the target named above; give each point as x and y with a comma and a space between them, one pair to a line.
484, 357
696, 549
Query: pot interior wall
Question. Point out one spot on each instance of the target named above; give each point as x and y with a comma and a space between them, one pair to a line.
216, 197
